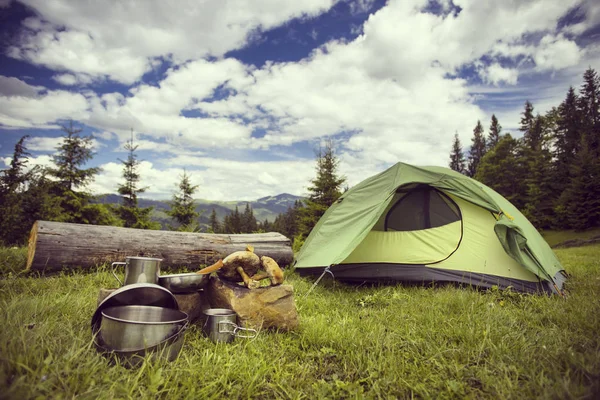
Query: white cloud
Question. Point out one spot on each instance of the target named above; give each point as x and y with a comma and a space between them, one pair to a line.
556, 52
11, 86
496, 74
72, 79
41, 111
42, 161
119, 40
49, 144
156, 111
39, 143
105, 135
590, 11
360, 6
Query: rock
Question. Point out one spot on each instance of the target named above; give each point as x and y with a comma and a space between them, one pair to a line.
193, 304
270, 307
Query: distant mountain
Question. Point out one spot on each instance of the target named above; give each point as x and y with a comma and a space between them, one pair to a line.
264, 208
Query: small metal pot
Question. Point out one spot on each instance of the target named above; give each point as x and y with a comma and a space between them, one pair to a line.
183, 283
130, 328
139, 270
221, 326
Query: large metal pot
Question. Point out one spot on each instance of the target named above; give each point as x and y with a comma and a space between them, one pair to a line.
136, 294
128, 328
167, 350
139, 270
183, 283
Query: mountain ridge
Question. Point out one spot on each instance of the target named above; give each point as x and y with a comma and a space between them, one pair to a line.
267, 207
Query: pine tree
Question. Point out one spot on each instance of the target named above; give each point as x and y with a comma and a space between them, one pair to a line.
579, 204
582, 197
477, 149
567, 137
183, 209
13, 178
233, 222
323, 191
132, 215
265, 226
538, 175
213, 222
457, 158
25, 197
589, 104
287, 223
500, 170
527, 118
12, 182
248, 221
494, 135
74, 152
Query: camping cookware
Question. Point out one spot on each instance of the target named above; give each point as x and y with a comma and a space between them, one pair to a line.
139, 270
146, 294
183, 283
128, 328
221, 326
168, 350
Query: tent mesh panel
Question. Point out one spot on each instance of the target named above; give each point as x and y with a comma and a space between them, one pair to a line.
421, 208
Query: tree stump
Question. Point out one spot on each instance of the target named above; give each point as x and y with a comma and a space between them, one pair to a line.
271, 307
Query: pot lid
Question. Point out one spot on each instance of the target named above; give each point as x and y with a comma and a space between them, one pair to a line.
136, 294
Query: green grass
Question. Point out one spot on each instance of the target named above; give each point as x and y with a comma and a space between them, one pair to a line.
556, 237
353, 342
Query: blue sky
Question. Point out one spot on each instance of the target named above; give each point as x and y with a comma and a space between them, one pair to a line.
241, 93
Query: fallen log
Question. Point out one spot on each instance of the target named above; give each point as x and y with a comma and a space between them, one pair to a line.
54, 246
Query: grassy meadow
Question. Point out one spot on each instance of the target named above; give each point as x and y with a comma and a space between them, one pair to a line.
555, 238
353, 342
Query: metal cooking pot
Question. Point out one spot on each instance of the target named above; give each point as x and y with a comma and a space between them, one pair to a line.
139, 270
183, 283
136, 294
221, 326
130, 328
167, 350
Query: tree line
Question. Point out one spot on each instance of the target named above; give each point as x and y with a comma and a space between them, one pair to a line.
58, 193
552, 172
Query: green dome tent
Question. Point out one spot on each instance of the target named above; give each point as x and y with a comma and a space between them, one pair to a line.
429, 224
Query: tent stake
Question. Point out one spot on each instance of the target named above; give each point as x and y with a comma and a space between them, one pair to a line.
326, 270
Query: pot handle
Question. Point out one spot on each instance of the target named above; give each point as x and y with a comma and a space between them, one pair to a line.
252, 334
113, 270
236, 329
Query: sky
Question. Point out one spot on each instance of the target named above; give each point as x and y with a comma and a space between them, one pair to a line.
242, 93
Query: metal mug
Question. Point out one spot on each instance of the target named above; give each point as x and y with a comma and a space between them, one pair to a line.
221, 326
139, 270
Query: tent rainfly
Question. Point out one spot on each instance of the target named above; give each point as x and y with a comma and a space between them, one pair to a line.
429, 224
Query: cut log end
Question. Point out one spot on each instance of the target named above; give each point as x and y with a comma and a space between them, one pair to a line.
31, 246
